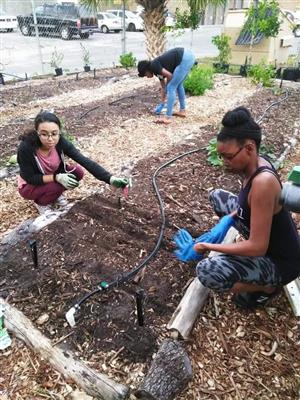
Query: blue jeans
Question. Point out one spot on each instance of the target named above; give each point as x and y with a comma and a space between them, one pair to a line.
176, 83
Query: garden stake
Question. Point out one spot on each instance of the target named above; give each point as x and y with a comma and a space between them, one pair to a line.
140, 296
33, 248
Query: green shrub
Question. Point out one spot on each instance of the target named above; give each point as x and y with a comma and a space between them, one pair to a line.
212, 154
199, 79
222, 43
127, 60
262, 73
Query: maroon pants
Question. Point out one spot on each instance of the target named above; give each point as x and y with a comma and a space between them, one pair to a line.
49, 192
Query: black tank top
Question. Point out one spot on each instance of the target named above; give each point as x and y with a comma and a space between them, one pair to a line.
284, 244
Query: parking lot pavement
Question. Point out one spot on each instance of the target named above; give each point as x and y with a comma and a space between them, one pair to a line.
20, 54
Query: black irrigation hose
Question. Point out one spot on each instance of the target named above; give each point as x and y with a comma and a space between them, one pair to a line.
123, 278
274, 104
127, 276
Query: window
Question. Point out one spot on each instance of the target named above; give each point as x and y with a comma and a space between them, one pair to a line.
49, 10
239, 4
39, 10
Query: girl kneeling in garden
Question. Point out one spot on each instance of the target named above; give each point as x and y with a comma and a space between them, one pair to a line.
44, 173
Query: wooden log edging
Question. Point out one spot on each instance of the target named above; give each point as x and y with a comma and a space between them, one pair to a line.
92, 382
169, 373
186, 313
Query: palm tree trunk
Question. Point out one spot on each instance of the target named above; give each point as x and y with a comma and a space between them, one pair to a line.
154, 21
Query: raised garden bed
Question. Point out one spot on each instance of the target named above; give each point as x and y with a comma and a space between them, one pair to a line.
97, 241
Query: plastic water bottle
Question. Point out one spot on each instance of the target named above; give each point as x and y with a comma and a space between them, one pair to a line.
5, 340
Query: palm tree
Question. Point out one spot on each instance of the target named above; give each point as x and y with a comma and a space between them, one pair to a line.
154, 22
154, 19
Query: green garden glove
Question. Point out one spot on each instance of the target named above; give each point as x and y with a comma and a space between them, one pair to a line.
68, 181
118, 182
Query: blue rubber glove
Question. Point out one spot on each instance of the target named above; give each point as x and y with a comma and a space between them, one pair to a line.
159, 108
185, 242
219, 231
185, 247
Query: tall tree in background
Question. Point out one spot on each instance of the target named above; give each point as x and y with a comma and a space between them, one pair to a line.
193, 16
154, 22
154, 19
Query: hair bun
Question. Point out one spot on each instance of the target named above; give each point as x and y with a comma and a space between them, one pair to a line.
238, 116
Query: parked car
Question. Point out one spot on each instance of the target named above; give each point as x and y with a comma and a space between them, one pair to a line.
65, 20
108, 22
133, 21
8, 22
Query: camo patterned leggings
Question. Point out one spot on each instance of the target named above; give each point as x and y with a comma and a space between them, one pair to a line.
220, 273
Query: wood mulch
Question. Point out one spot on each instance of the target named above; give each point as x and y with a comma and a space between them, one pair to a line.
235, 354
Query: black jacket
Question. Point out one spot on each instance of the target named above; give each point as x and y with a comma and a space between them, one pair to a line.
32, 172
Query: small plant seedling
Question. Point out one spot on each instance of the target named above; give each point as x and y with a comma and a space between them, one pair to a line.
213, 156
128, 60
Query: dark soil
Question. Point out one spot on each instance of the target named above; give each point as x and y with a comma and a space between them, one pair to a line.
105, 236
35, 90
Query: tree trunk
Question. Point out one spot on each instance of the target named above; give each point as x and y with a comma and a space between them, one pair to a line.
154, 21
92, 382
168, 375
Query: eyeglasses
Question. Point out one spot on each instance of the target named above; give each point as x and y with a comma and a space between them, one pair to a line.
45, 135
231, 157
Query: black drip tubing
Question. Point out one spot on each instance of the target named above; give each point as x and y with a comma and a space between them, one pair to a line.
123, 278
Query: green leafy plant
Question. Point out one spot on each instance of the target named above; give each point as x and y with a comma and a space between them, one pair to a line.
268, 151
262, 73
263, 16
12, 161
292, 60
199, 79
56, 59
222, 42
212, 155
127, 60
86, 55
187, 19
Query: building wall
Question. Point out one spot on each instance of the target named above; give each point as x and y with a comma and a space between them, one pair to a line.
273, 50
292, 5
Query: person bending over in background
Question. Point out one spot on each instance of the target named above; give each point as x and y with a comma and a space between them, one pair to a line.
44, 173
269, 257
171, 68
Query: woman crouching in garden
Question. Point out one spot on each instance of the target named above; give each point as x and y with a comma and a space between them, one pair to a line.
44, 173
269, 257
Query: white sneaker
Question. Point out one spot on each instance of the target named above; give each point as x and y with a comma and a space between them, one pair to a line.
44, 210
62, 201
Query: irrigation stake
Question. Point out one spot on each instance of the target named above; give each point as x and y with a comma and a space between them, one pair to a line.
140, 296
33, 248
